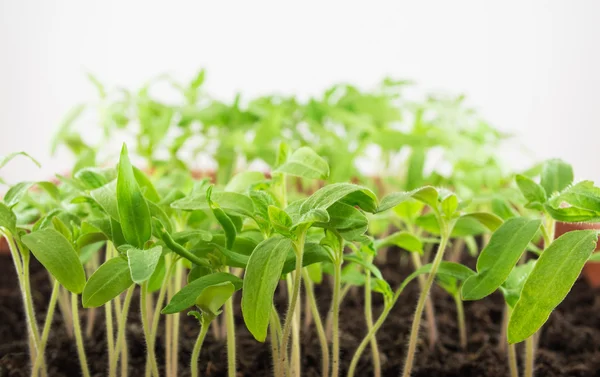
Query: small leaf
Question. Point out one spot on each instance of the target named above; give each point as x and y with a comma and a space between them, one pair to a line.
225, 221
499, 257
305, 163
106, 197
556, 176
450, 269
583, 195
8, 220
512, 287
241, 182
188, 295
6, 159
532, 192
110, 280
351, 194
134, 214
428, 195
58, 256
214, 297
280, 220
403, 240
489, 220
142, 263
260, 281
16, 193
230, 202
550, 281
360, 261
146, 185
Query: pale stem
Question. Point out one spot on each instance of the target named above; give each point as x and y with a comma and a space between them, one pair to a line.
369, 319
150, 358
47, 325
312, 304
337, 278
230, 325
78, 336
198, 346
429, 310
529, 356
460, 314
367, 339
414, 333
121, 339
329, 320
176, 322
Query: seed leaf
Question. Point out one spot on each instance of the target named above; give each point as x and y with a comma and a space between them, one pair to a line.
305, 163
142, 263
499, 257
188, 295
111, 279
58, 256
260, 281
428, 195
214, 297
351, 194
556, 176
550, 281
134, 214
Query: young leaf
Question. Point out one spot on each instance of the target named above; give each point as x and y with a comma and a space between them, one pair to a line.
582, 195
16, 193
110, 280
106, 197
498, 258
58, 256
230, 202
280, 220
241, 182
403, 240
556, 176
188, 295
305, 163
146, 185
328, 195
6, 159
260, 281
428, 195
8, 220
550, 281
225, 221
533, 193
214, 297
142, 263
512, 287
134, 214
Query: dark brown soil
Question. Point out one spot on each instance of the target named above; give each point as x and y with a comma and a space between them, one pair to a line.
569, 343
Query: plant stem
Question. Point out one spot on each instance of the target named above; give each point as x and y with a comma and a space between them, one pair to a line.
337, 278
287, 327
414, 333
460, 314
329, 320
47, 324
150, 358
121, 339
367, 339
230, 325
168, 330
78, 336
159, 301
91, 313
529, 356
274, 336
369, 319
176, 322
295, 363
64, 306
429, 310
312, 304
108, 315
204, 325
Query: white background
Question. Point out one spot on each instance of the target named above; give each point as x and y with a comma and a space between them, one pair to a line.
530, 67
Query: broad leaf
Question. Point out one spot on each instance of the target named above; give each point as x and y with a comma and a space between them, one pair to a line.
188, 295
142, 263
305, 163
214, 297
111, 279
499, 257
260, 281
58, 256
554, 274
351, 194
134, 214
533, 193
16, 193
556, 176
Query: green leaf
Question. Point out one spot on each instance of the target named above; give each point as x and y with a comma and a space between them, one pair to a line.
58, 256
428, 195
91, 177
305, 163
225, 221
367, 265
142, 263
349, 221
6, 159
146, 185
134, 214
65, 126
313, 254
550, 281
280, 220
499, 257
512, 287
8, 220
350, 193
260, 281
156, 280
489, 220
556, 176
583, 195
449, 269
16, 193
241, 182
572, 214
230, 202
188, 295
111, 279
214, 297
106, 197
403, 240
533, 193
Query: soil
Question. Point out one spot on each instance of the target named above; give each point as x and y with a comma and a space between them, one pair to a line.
569, 342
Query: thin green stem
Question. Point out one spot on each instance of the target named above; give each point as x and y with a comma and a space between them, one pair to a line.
230, 325
312, 303
47, 325
429, 311
78, 336
367, 339
529, 356
414, 333
176, 322
121, 339
337, 281
150, 357
369, 319
108, 319
295, 363
287, 327
460, 317
329, 320
274, 337
205, 324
